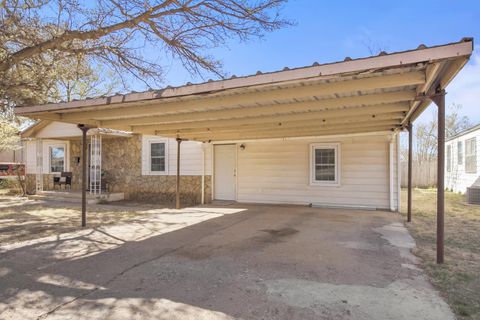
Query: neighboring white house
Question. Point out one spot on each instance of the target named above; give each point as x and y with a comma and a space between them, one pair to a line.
462, 160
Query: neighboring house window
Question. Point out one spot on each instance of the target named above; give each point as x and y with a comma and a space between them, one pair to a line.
449, 158
459, 152
324, 166
471, 155
57, 159
157, 157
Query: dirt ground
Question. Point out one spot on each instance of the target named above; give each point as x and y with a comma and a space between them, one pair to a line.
459, 278
22, 219
236, 261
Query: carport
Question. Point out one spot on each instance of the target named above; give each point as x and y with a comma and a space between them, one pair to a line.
383, 93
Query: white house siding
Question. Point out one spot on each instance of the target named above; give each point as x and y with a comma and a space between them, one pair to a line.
457, 179
59, 130
277, 171
31, 156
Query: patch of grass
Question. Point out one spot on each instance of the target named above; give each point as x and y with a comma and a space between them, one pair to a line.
458, 279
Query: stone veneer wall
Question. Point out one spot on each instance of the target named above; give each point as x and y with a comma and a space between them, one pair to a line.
122, 163
47, 182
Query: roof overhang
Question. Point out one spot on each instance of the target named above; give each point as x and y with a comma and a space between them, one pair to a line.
379, 93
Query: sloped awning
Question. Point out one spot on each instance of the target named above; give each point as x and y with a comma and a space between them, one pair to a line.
378, 93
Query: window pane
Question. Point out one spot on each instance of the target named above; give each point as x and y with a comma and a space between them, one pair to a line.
157, 156
325, 156
325, 173
157, 149
471, 156
449, 158
459, 152
57, 159
158, 164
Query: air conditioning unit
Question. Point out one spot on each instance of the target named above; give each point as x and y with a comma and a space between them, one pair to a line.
473, 195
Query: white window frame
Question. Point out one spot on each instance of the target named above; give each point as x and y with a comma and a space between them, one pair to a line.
50, 147
460, 153
148, 163
448, 159
475, 155
336, 147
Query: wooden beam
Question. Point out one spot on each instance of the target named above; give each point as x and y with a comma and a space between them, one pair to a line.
291, 124
286, 134
252, 98
431, 74
319, 125
313, 105
261, 130
359, 111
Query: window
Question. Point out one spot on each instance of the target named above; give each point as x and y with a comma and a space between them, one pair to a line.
157, 157
471, 155
459, 152
324, 168
449, 158
154, 155
57, 159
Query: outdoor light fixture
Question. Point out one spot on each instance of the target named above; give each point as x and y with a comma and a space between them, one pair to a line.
242, 146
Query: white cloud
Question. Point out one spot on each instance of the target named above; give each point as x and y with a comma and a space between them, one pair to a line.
463, 90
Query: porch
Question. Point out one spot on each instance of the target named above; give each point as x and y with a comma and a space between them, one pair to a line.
54, 152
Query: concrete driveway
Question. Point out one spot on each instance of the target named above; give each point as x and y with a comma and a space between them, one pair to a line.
237, 261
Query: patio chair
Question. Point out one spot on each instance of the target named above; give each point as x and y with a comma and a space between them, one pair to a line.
64, 179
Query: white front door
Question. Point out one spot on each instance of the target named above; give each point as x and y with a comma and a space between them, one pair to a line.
224, 175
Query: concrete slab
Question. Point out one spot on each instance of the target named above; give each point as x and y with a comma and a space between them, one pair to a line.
239, 261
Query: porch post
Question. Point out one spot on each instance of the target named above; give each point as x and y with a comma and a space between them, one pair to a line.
84, 173
439, 100
177, 186
410, 159
39, 166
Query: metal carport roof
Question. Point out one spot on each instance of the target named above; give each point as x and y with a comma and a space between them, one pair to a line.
378, 93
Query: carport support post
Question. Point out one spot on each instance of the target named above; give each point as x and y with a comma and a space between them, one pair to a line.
410, 159
84, 173
439, 100
177, 187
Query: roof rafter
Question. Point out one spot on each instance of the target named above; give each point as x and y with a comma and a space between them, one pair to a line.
369, 110
205, 103
271, 109
289, 124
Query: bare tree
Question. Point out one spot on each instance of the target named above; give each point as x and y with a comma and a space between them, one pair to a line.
425, 139
9, 137
37, 35
80, 80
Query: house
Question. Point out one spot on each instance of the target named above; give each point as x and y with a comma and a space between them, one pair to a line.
136, 167
318, 171
323, 135
462, 160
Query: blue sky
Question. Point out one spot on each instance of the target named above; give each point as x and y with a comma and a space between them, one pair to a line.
328, 31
